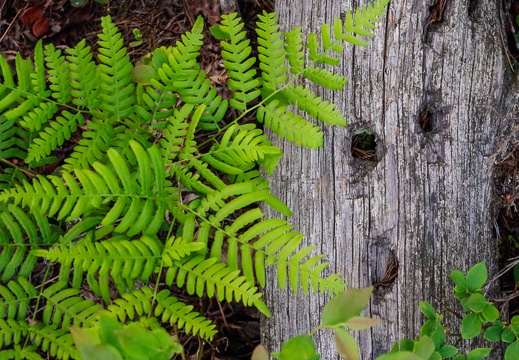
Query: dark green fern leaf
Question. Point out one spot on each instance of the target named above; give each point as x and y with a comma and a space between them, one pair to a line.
16, 298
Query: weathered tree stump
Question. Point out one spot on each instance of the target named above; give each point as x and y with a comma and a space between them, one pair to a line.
433, 88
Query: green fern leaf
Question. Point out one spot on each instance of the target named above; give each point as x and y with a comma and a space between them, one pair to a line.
56, 341
271, 54
293, 48
16, 298
181, 73
168, 308
54, 135
14, 140
199, 274
238, 62
290, 126
177, 248
325, 78
39, 116
64, 308
314, 106
116, 87
59, 74
38, 81
83, 75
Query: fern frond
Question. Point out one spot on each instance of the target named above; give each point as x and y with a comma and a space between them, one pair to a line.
241, 145
177, 248
38, 81
56, 341
157, 103
58, 74
83, 77
16, 227
181, 73
325, 78
200, 275
19, 352
314, 105
176, 130
39, 116
294, 50
271, 53
54, 135
93, 146
10, 176
116, 87
238, 62
290, 126
118, 257
16, 298
359, 23
64, 308
14, 140
140, 303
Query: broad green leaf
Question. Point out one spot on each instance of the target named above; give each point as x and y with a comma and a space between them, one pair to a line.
448, 351
403, 355
476, 277
361, 323
424, 347
493, 333
346, 305
458, 278
300, 347
138, 343
508, 336
100, 351
490, 313
470, 326
478, 354
219, 33
346, 344
476, 303
260, 353
512, 351
143, 74
403, 345
427, 309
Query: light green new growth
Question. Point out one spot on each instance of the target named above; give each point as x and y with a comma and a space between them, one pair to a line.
139, 201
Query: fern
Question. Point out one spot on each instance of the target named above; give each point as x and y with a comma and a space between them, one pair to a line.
161, 186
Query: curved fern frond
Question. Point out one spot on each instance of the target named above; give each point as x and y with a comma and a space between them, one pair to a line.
238, 62
64, 308
289, 125
58, 74
54, 135
240, 145
181, 73
168, 308
116, 87
358, 24
140, 208
258, 244
83, 76
271, 54
118, 257
93, 146
16, 227
200, 275
16, 298
314, 105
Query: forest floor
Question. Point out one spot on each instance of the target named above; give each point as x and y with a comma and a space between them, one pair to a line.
161, 23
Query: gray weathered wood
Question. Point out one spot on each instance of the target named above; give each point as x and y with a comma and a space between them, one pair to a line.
428, 199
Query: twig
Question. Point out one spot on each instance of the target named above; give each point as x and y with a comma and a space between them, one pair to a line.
10, 25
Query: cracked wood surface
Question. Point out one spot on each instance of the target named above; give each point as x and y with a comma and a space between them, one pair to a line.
426, 204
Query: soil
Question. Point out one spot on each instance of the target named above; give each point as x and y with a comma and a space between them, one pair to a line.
161, 23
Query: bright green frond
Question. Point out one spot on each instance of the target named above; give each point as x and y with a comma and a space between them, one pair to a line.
54, 135
200, 275
59, 74
314, 105
238, 62
116, 86
83, 77
290, 126
16, 298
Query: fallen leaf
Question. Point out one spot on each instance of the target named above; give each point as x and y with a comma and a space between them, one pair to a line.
32, 14
40, 27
